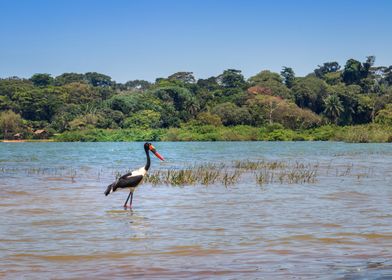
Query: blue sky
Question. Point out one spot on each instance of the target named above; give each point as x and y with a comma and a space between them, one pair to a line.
146, 39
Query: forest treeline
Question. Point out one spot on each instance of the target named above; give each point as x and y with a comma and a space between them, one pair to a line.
353, 94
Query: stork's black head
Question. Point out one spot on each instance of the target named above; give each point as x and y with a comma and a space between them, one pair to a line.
149, 147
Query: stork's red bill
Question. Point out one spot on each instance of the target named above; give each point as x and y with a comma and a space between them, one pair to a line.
154, 151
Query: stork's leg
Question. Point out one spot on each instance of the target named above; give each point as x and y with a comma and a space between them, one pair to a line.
130, 203
126, 201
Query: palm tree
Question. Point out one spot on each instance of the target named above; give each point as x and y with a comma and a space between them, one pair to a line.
333, 107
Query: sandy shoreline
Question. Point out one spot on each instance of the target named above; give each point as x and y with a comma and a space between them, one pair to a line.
26, 140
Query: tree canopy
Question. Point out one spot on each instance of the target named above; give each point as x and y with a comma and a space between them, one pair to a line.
357, 93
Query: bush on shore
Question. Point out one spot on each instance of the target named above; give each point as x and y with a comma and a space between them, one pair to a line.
353, 134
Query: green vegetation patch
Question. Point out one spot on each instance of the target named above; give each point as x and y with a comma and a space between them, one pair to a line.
350, 103
371, 133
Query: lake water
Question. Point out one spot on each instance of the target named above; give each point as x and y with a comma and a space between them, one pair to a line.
56, 223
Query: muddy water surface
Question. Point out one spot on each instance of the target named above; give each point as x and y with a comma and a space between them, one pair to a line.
55, 222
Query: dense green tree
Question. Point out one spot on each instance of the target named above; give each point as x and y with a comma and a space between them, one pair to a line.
231, 114
141, 85
366, 109
356, 72
143, 119
169, 116
89, 120
265, 76
309, 92
207, 118
131, 103
352, 72
68, 78
332, 78
105, 92
273, 109
98, 80
262, 107
80, 93
327, 67
10, 123
38, 104
235, 96
209, 84
162, 83
384, 116
6, 103
349, 97
288, 75
41, 80
366, 66
115, 116
291, 116
64, 115
333, 107
384, 98
9, 87
231, 78
111, 118
272, 81
207, 98
387, 76
184, 103
185, 77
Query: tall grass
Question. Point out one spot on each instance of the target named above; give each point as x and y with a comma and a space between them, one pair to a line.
371, 133
358, 134
203, 175
264, 172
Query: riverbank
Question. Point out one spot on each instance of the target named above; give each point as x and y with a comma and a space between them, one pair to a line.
27, 140
370, 133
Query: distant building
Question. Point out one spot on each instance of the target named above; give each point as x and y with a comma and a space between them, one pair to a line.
41, 134
18, 136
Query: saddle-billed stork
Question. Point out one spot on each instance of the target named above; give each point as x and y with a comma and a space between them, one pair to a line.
132, 179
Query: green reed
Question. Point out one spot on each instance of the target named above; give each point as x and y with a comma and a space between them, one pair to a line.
255, 165
227, 174
188, 176
264, 172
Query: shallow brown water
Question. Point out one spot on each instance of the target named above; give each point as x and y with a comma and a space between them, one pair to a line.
55, 222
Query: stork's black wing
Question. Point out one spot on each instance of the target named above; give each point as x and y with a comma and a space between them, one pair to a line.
126, 175
128, 181
125, 181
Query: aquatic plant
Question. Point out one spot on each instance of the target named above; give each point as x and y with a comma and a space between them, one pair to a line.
265, 172
226, 174
254, 165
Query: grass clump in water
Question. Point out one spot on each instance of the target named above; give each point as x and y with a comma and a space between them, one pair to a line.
265, 172
207, 174
255, 165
